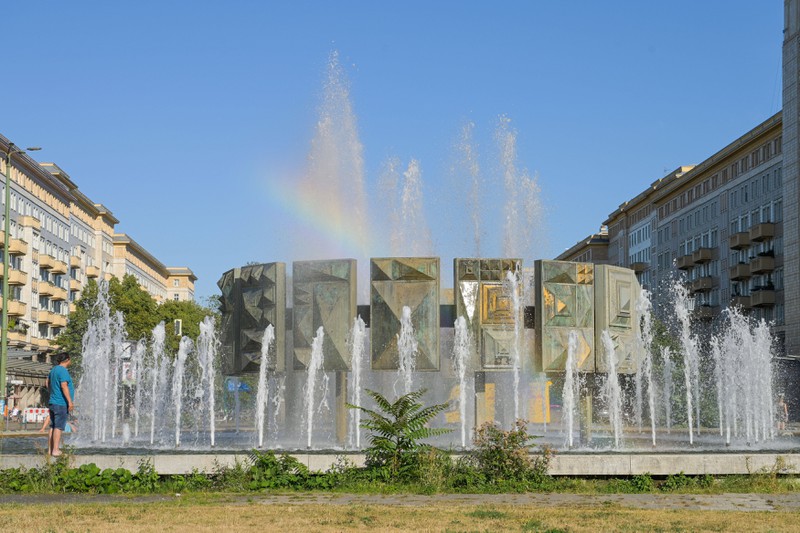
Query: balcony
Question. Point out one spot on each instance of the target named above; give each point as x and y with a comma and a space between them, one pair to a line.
705, 312
59, 267
639, 267
703, 284
75, 285
762, 298
46, 261
740, 272
762, 232
740, 240
72, 307
46, 288
17, 337
701, 255
59, 321
74, 261
59, 294
15, 277
45, 317
40, 343
741, 301
18, 247
92, 272
762, 264
684, 262
16, 308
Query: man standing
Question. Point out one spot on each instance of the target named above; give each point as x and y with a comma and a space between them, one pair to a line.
61, 394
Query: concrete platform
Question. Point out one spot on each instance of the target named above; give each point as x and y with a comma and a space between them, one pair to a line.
572, 464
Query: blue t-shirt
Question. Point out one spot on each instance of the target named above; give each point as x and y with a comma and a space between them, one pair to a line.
59, 375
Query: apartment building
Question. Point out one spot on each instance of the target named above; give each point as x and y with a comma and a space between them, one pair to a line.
59, 240
592, 249
731, 224
720, 223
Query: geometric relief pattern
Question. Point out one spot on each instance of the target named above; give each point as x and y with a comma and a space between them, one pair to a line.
565, 293
616, 295
482, 299
253, 297
398, 282
324, 295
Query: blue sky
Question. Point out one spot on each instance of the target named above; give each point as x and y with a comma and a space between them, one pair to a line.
178, 115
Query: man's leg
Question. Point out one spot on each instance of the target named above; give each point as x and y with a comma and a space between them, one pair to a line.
56, 440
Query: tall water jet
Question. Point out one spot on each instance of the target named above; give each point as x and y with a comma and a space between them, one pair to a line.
407, 348
97, 390
716, 356
137, 374
263, 383
690, 355
645, 335
523, 208
762, 339
309, 391
414, 223
115, 365
462, 347
571, 391
611, 390
666, 357
177, 384
466, 171
335, 176
745, 379
356, 343
512, 286
157, 376
207, 348
277, 401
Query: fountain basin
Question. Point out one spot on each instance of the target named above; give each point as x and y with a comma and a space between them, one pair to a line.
562, 464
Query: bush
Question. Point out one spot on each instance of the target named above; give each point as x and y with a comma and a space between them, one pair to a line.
502, 456
642, 483
677, 482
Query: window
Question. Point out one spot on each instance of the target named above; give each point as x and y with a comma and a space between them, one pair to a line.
176, 296
176, 283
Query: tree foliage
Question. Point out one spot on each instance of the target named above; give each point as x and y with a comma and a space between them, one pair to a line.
139, 310
190, 313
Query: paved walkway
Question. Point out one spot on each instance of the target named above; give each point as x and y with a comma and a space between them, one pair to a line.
697, 502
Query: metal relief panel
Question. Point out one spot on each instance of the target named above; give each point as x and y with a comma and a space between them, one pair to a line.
228, 320
616, 294
253, 297
324, 294
397, 282
483, 300
564, 303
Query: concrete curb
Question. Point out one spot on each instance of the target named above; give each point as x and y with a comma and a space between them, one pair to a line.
603, 465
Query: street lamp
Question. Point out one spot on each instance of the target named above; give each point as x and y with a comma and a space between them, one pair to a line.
10, 151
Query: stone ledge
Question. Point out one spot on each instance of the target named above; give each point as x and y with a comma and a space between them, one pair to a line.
610, 465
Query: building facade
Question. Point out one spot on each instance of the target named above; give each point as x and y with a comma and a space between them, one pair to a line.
720, 223
60, 239
731, 223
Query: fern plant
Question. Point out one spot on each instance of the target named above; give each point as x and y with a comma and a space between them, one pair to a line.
397, 429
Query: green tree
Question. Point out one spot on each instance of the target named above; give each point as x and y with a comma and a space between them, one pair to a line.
71, 337
137, 306
190, 313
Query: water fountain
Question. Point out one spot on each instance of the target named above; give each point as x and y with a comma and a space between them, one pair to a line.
164, 388
475, 348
